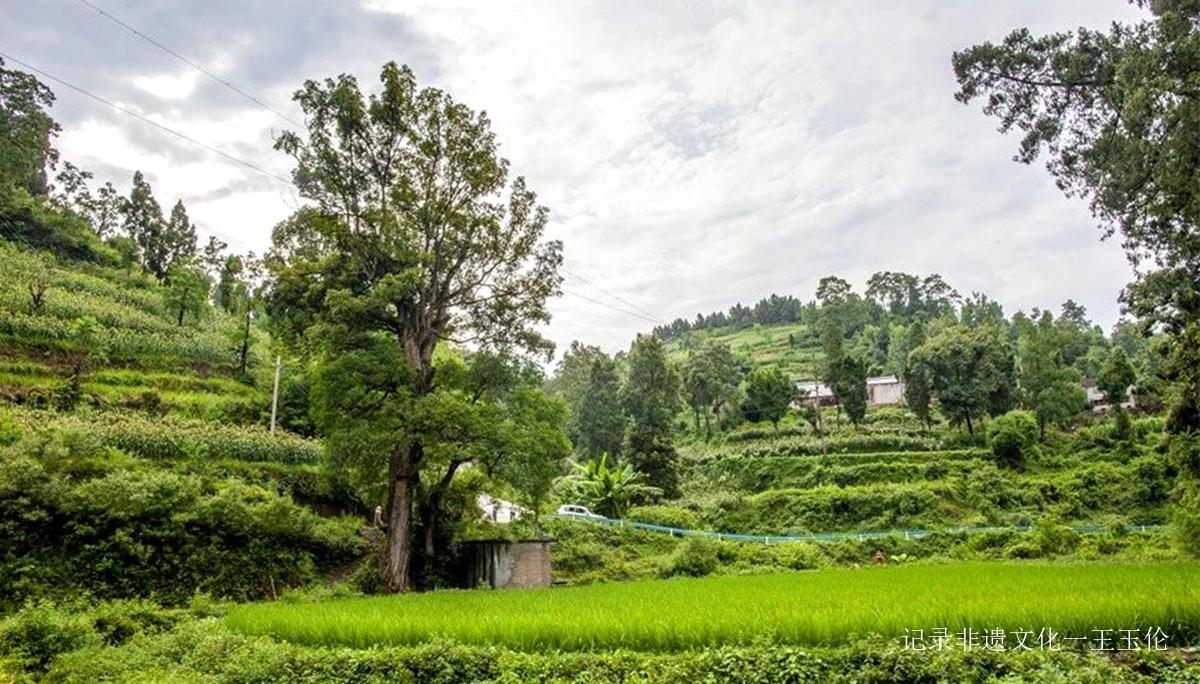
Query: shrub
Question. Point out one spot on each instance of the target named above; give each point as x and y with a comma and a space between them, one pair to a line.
76, 516
667, 516
37, 633
1011, 436
696, 557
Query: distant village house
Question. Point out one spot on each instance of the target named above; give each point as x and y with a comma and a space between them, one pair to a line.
882, 390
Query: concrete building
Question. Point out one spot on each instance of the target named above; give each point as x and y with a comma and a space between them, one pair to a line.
809, 391
1095, 398
884, 390
501, 564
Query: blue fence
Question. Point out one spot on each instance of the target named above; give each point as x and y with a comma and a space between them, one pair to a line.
830, 536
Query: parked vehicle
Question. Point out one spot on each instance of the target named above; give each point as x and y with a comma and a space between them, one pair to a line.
574, 511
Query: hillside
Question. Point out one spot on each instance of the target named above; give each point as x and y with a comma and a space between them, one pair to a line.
110, 333
794, 348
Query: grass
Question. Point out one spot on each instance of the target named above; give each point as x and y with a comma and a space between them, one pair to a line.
811, 608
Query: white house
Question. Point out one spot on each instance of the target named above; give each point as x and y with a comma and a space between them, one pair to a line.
810, 390
498, 510
883, 390
1095, 398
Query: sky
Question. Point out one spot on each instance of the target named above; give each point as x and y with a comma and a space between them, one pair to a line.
692, 154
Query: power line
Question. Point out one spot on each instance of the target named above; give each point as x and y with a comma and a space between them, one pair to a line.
130, 112
646, 316
615, 296
627, 312
192, 64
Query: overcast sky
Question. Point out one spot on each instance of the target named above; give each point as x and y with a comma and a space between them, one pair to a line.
693, 154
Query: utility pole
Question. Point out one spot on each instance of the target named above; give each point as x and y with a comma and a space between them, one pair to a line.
275, 394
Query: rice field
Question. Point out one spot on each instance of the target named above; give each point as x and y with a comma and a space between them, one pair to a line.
825, 607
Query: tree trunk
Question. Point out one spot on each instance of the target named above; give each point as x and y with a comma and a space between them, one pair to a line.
970, 427
402, 483
180, 319
244, 352
431, 514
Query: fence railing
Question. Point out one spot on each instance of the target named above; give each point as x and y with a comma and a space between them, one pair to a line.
832, 536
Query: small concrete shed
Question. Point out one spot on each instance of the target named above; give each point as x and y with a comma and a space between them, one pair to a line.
502, 564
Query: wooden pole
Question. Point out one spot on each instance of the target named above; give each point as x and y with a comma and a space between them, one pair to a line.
275, 394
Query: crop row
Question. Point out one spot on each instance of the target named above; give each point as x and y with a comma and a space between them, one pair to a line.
173, 439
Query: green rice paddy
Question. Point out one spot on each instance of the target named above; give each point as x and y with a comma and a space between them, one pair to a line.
811, 608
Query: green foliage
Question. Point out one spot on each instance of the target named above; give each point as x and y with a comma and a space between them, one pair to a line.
1106, 109
1011, 437
696, 557
607, 488
969, 369
166, 439
207, 651
187, 289
26, 132
81, 517
711, 377
850, 387
651, 398
669, 516
768, 395
599, 421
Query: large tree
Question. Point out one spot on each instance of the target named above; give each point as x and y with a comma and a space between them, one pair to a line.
417, 236
970, 371
1116, 114
600, 421
1047, 384
711, 376
143, 221
651, 398
26, 132
769, 393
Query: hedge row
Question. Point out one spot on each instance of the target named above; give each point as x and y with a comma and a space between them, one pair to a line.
205, 651
172, 439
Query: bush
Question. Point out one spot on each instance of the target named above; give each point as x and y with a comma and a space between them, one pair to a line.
1011, 437
76, 516
667, 516
37, 633
696, 557
174, 439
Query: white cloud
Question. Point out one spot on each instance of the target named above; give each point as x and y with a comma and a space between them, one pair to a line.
692, 154
176, 86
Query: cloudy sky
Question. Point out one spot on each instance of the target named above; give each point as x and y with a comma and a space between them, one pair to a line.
693, 154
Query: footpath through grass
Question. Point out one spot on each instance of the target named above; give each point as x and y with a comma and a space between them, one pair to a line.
812, 608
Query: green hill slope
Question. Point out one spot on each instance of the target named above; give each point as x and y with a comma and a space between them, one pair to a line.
115, 327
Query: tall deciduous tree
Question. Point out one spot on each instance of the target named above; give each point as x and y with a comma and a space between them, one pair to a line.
187, 291
143, 221
768, 395
179, 240
26, 132
970, 370
711, 377
850, 386
1047, 384
1115, 114
417, 236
